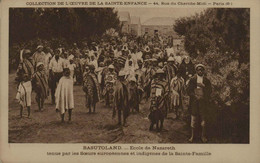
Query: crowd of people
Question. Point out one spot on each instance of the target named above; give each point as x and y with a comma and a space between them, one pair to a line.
121, 72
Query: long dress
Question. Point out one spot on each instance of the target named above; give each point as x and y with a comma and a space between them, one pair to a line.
64, 94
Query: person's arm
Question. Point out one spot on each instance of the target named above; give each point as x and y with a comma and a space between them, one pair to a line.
190, 87
50, 68
21, 56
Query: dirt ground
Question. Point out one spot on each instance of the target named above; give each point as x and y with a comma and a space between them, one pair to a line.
45, 127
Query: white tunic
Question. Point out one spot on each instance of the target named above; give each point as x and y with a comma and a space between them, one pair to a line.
24, 93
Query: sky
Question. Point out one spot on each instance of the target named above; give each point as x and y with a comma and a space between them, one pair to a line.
147, 13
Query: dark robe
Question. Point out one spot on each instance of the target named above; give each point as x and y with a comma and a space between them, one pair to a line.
198, 106
186, 69
121, 98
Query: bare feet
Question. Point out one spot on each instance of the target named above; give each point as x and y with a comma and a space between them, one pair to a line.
191, 140
204, 139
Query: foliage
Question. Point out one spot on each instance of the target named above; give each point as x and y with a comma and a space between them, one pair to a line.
53, 27
73, 24
219, 38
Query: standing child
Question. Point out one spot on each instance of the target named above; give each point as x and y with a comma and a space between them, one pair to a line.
121, 98
91, 88
177, 86
133, 94
40, 85
64, 95
24, 94
72, 67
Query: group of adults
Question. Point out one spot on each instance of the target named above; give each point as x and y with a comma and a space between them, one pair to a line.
123, 72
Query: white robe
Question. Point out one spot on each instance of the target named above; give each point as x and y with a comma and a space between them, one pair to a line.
64, 94
24, 93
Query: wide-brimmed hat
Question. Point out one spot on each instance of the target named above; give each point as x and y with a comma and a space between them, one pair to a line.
39, 46
160, 71
170, 59
39, 63
111, 66
27, 51
199, 65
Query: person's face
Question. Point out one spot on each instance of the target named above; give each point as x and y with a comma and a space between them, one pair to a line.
111, 70
200, 71
187, 60
171, 63
67, 73
132, 83
121, 78
39, 49
41, 67
139, 64
130, 63
57, 55
27, 56
26, 77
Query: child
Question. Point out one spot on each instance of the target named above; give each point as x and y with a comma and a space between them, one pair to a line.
177, 86
91, 88
40, 85
64, 94
72, 67
24, 94
133, 94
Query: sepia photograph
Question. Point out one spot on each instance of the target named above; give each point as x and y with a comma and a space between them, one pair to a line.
129, 75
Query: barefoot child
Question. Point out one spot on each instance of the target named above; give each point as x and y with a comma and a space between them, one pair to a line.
91, 88
64, 95
40, 85
24, 94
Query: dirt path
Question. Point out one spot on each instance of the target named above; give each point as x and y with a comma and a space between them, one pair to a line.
45, 127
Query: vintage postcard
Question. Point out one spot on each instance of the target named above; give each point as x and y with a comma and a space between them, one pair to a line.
124, 81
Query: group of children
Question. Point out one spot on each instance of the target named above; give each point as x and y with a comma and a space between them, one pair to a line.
39, 83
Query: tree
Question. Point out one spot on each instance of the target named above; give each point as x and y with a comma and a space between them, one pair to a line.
73, 24
219, 38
